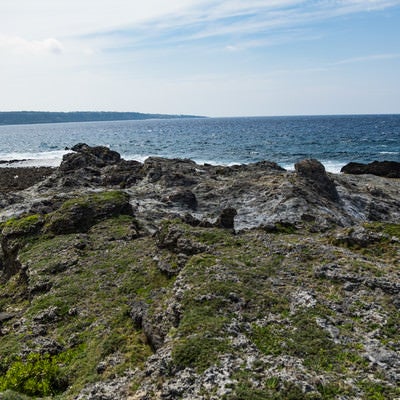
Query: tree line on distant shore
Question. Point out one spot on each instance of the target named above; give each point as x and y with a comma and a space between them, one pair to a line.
43, 117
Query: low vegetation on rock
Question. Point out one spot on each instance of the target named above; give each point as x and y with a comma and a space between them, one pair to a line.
275, 285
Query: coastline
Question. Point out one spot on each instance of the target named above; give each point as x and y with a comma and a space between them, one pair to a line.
228, 141
48, 160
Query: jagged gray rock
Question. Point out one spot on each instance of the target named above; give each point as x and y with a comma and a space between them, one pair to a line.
262, 194
389, 169
314, 173
276, 284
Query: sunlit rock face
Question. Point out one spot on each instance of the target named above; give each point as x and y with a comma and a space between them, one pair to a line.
168, 279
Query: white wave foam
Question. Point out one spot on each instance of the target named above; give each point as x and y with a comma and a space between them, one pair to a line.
39, 159
287, 166
389, 152
225, 164
54, 158
330, 166
333, 166
141, 158
137, 157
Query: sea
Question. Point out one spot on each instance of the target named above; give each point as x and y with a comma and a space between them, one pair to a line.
333, 140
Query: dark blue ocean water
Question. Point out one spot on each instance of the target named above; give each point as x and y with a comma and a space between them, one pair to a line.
334, 140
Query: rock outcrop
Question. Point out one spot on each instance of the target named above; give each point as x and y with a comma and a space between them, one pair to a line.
388, 169
84, 156
316, 177
79, 214
168, 279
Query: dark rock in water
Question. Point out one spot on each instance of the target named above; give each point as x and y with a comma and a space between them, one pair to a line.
314, 172
226, 218
12, 161
388, 169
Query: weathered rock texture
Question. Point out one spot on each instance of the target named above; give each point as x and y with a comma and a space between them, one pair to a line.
173, 280
389, 169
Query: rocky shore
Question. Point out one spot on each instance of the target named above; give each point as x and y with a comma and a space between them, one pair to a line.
172, 280
13, 179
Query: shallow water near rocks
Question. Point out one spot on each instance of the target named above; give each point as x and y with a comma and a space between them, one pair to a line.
334, 140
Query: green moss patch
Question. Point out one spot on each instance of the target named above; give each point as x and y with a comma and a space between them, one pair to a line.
79, 214
22, 226
198, 351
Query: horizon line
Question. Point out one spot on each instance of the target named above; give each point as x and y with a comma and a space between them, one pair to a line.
199, 115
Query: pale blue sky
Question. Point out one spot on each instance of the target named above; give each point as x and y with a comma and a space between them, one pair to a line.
205, 57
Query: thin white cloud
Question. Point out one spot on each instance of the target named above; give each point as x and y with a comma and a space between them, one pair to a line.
18, 45
247, 21
171, 21
327, 67
372, 57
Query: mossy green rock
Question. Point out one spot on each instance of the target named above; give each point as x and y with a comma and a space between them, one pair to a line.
299, 301
79, 214
248, 316
22, 226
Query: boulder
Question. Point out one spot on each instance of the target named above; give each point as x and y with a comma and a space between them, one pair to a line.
314, 173
87, 156
388, 169
226, 218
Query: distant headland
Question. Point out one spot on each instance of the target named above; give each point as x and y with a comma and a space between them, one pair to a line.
47, 117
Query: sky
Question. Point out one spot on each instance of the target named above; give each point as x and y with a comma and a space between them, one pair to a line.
201, 57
